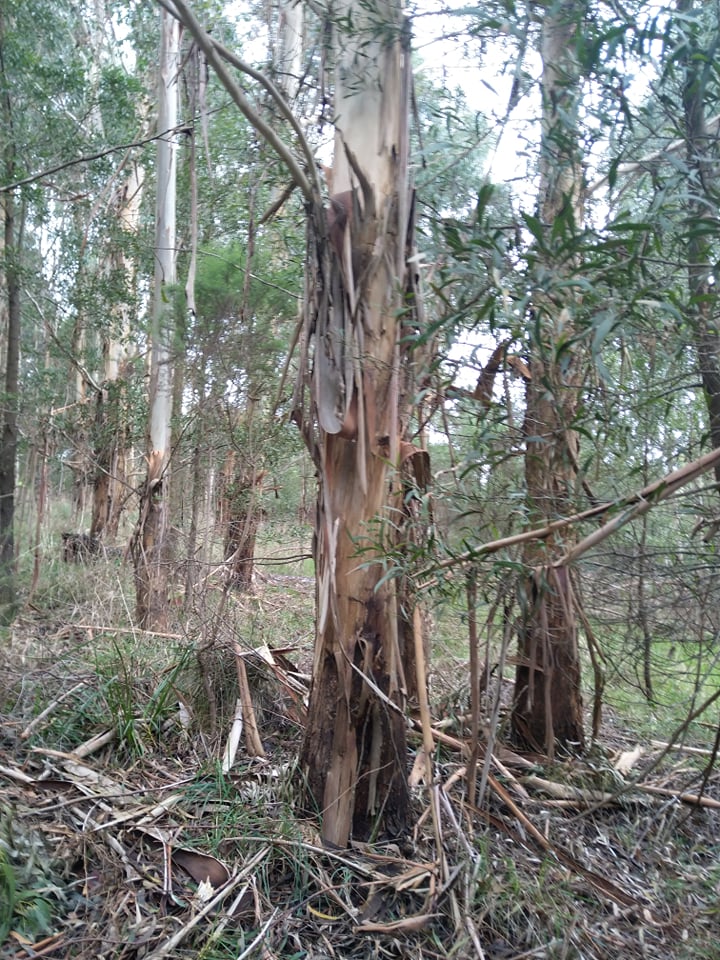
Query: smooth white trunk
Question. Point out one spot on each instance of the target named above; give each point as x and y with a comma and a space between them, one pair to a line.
165, 238
289, 56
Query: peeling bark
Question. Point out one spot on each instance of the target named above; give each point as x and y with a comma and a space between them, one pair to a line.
547, 708
354, 754
150, 547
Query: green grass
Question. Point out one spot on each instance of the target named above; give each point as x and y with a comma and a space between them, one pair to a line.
683, 677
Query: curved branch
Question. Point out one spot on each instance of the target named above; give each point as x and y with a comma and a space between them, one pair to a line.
180, 10
279, 99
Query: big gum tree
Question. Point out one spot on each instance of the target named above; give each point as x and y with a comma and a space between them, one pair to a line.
547, 707
150, 545
354, 753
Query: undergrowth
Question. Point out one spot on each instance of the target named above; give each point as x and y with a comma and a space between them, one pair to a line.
166, 703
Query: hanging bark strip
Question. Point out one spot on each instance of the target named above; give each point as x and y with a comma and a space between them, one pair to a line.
357, 295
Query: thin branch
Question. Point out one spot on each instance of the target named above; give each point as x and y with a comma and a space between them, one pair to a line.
184, 14
638, 167
647, 497
89, 157
84, 373
279, 99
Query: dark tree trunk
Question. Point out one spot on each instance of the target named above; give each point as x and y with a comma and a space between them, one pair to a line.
244, 515
151, 551
8, 442
702, 160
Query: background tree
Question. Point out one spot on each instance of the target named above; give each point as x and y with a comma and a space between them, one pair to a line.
548, 702
150, 541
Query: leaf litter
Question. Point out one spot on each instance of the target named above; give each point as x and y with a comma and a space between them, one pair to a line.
110, 854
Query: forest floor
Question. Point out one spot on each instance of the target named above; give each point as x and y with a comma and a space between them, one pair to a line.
122, 837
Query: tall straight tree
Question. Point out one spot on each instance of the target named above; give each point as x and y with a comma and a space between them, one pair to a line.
354, 752
548, 703
111, 411
10, 248
150, 541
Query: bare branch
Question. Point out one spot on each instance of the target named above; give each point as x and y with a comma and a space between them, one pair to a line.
638, 167
88, 158
633, 506
184, 14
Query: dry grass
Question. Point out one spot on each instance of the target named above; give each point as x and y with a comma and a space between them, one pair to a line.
96, 854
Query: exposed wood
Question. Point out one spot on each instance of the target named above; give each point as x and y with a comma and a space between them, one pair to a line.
252, 734
355, 745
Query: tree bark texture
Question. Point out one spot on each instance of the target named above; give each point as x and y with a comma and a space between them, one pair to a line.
547, 707
12, 233
150, 540
702, 160
243, 521
110, 439
354, 754
8, 441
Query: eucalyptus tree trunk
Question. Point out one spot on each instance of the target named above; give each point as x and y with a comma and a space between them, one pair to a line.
702, 160
547, 706
10, 279
354, 753
290, 47
150, 545
111, 413
10, 248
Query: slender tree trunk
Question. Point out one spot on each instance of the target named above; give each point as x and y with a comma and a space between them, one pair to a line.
150, 546
354, 754
289, 55
242, 526
12, 235
199, 490
8, 441
548, 704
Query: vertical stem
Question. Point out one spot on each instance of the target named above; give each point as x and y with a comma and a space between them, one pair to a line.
471, 595
42, 500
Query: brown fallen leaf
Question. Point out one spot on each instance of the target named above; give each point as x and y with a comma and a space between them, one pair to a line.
201, 866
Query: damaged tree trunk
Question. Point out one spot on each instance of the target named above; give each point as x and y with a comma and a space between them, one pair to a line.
244, 514
354, 754
548, 703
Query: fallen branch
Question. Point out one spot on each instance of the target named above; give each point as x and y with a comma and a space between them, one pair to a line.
599, 883
51, 708
635, 504
693, 799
